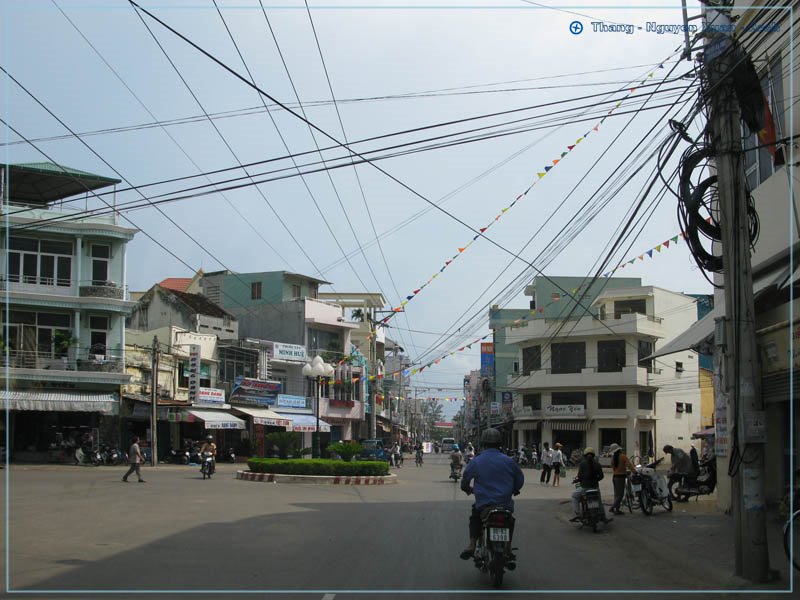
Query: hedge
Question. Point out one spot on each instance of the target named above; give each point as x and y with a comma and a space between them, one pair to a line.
318, 466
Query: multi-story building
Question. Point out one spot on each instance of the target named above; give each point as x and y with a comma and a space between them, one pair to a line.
584, 376
285, 308
64, 323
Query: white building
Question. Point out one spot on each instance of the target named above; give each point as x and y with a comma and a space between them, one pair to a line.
586, 380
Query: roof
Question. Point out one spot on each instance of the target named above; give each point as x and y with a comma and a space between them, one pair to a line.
694, 337
45, 182
201, 305
176, 284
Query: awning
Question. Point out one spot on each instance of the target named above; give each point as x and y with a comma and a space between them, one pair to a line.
698, 333
576, 425
68, 401
708, 432
264, 416
305, 423
214, 419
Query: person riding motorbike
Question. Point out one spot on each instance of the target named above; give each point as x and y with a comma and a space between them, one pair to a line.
456, 459
496, 479
210, 447
469, 452
418, 452
589, 475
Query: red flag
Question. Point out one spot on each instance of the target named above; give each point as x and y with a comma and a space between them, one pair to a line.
767, 136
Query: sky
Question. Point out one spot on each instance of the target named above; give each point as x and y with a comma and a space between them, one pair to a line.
112, 91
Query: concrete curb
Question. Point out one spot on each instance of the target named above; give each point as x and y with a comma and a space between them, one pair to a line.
326, 479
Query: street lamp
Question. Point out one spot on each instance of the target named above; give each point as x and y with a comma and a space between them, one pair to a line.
317, 369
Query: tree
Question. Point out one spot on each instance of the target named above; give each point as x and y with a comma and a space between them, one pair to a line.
432, 411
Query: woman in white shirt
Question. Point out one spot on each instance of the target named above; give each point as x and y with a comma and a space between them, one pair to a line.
558, 462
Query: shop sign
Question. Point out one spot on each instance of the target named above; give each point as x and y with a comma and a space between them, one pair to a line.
288, 352
194, 371
210, 396
487, 359
257, 385
495, 408
243, 399
288, 401
566, 410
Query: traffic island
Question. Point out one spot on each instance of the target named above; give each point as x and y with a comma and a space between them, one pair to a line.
325, 479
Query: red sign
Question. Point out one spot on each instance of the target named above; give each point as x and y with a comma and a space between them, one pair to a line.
444, 424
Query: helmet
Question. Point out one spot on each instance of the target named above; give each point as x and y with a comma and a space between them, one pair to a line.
209, 437
491, 437
588, 450
455, 448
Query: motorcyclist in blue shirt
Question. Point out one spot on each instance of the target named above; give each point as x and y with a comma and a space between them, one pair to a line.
496, 478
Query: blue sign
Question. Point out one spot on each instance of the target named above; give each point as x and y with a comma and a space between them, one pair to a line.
288, 401
487, 365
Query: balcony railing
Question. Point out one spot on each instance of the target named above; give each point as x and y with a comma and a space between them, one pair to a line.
76, 359
63, 287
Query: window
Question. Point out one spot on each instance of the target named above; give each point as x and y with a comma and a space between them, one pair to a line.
255, 290
46, 335
296, 291
612, 400
101, 255
42, 262
611, 436
679, 407
555, 297
531, 359
610, 356
758, 163
624, 307
98, 335
678, 367
645, 400
645, 349
313, 290
687, 407
567, 398
533, 401
569, 357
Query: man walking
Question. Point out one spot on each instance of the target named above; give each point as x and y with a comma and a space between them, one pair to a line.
547, 463
136, 458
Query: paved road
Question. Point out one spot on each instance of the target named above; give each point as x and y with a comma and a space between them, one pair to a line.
81, 528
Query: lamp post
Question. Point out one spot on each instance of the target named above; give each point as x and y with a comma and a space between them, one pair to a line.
317, 369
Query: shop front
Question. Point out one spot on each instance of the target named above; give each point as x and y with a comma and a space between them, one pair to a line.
306, 425
47, 426
260, 422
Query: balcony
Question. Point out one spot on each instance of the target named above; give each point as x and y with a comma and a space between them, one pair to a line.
77, 359
589, 377
49, 286
629, 324
342, 409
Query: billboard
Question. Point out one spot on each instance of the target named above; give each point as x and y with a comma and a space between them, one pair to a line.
487, 359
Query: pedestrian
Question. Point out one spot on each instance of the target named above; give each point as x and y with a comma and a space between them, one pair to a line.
557, 462
136, 458
547, 457
620, 465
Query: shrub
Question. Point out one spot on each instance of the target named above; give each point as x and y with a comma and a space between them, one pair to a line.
286, 441
320, 466
345, 450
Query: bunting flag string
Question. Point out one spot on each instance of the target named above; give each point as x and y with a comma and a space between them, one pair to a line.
539, 176
649, 252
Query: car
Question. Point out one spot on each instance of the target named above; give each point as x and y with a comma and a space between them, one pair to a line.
373, 450
448, 444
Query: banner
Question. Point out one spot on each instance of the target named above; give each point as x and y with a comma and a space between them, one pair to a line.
194, 372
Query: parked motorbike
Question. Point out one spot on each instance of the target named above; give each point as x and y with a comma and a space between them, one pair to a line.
493, 552
111, 456
682, 487
87, 456
194, 454
592, 512
207, 465
654, 488
455, 473
229, 455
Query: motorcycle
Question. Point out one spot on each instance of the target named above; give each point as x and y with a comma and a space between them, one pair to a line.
592, 512
682, 487
493, 552
654, 488
229, 455
455, 473
207, 465
419, 458
112, 456
194, 454
87, 456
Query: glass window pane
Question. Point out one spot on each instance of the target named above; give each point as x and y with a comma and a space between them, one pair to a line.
29, 244
97, 342
14, 260
98, 323
99, 272
29, 267
47, 270
18, 316
44, 342
53, 247
101, 251
64, 274
53, 319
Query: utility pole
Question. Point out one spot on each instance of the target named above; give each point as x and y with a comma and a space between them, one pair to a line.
746, 411
373, 393
154, 404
